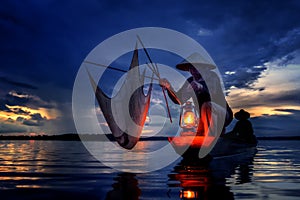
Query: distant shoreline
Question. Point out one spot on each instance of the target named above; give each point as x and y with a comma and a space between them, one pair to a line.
97, 137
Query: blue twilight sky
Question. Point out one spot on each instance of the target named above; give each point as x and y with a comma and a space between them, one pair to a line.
254, 43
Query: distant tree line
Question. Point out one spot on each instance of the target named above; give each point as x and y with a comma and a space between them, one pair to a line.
105, 137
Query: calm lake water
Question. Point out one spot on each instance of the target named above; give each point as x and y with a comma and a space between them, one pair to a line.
65, 169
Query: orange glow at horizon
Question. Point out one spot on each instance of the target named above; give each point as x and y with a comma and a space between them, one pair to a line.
265, 110
267, 95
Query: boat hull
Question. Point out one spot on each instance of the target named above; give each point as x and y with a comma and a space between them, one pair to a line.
228, 147
189, 146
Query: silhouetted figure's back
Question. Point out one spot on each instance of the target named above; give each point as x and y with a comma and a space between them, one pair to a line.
243, 129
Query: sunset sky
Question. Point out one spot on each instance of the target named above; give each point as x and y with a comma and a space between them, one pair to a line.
255, 44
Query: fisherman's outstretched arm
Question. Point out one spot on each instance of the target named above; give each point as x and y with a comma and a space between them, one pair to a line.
165, 84
177, 97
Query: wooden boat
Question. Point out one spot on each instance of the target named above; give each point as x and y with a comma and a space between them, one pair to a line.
188, 146
231, 146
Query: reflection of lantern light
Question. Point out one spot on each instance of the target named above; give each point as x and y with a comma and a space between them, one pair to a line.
188, 194
188, 116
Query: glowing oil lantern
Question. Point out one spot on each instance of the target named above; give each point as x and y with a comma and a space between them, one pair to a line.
188, 194
188, 116
148, 120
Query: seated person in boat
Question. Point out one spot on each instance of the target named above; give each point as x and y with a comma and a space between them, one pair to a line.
196, 88
243, 129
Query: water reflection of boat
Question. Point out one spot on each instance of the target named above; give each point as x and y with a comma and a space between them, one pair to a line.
202, 180
125, 187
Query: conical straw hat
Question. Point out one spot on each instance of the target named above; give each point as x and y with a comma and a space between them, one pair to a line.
197, 61
242, 115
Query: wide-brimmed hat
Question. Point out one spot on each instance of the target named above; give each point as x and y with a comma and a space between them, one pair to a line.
197, 61
242, 115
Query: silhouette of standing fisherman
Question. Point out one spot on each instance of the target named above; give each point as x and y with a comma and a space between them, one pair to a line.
196, 88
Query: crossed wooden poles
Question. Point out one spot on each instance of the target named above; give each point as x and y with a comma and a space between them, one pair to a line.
152, 66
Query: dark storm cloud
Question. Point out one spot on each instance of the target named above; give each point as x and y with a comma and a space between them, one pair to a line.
52, 37
36, 119
286, 97
29, 122
259, 28
246, 33
20, 119
24, 99
4, 80
19, 111
292, 111
11, 128
43, 37
3, 107
10, 120
61, 124
243, 77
